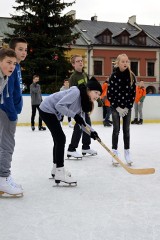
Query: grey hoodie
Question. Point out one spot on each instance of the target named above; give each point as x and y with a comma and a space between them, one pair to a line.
35, 91
62, 103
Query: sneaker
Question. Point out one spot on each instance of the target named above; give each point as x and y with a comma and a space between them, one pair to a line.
61, 175
42, 128
140, 121
127, 156
70, 125
33, 128
7, 185
110, 122
114, 162
107, 124
134, 121
74, 154
89, 151
53, 171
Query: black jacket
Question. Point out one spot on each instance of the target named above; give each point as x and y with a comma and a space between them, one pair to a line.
121, 93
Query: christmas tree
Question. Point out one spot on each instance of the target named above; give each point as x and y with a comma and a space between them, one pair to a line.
48, 33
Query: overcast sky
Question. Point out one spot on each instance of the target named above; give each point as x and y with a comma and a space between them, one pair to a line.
147, 12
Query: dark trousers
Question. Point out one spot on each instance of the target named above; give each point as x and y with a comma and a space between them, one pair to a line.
59, 138
116, 129
34, 107
76, 136
108, 113
69, 119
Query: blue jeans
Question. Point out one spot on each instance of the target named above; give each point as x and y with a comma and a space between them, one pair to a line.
116, 129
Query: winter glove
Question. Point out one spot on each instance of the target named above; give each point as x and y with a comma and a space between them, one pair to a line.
100, 102
125, 111
79, 120
122, 112
94, 135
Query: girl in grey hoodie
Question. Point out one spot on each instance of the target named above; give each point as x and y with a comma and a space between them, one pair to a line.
73, 103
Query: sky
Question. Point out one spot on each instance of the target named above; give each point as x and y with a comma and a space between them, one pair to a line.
147, 13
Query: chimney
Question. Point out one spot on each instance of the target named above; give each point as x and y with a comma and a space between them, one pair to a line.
132, 20
94, 18
72, 13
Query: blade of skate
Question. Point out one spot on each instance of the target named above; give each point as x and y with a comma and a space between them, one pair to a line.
7, 195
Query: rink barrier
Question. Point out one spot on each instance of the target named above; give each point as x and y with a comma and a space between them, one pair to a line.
151, 111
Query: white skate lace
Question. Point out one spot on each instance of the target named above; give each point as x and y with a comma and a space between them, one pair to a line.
67, 173
11, 182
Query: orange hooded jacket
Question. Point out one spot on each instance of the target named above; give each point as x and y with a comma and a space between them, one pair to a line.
104, 94
140, 94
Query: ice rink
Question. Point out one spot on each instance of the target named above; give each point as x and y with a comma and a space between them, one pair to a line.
108, 202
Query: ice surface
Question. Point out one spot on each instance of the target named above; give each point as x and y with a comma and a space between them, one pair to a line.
108, 202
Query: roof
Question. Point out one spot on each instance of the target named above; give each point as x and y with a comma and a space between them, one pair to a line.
90, 29
152, 30
3, 26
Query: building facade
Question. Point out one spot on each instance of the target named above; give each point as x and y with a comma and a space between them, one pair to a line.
101, 42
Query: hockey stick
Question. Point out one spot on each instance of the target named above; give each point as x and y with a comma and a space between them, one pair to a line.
128, 169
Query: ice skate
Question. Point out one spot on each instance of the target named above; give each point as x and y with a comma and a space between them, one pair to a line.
10, 188
61, 175
70, 125
89, 152
74, 155
53, 172
114, 162
127, 156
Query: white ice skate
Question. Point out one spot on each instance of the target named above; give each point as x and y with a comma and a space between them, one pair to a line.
127, 156
74, 154
89, 152
62, 175
9, 187
70, 125
53, 172
114, 162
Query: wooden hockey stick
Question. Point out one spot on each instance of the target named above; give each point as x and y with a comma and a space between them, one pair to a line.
128, 169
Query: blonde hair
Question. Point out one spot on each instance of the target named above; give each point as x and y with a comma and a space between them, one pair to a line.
116, 64
73, 57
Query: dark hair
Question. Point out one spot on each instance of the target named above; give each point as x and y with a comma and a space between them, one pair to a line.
35, 76
66, 80
13, 42
86, 103
7, 52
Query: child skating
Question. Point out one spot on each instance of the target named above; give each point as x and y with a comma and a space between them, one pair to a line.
121, 94
74, 103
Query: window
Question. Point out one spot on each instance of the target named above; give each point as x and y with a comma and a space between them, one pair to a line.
124, 40
150, 69
106, 39
142, 40
134, 67
98, 67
